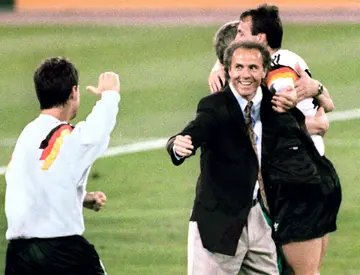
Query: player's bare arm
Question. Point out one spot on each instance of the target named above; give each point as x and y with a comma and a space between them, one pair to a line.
308, 87
318, 124
324, 100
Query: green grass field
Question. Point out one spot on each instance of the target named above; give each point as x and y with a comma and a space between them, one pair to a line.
164, 71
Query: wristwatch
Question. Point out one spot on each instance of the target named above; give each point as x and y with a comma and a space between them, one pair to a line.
320, 89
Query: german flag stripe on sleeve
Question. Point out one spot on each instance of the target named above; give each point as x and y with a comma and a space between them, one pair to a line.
52, 144
282, 72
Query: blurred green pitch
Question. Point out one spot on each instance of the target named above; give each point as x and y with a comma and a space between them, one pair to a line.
163, 75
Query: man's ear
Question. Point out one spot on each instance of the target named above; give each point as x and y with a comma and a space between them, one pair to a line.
264, 74
74, 91
262, 38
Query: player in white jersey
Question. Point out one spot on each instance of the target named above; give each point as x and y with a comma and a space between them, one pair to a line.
47, 175
304, 246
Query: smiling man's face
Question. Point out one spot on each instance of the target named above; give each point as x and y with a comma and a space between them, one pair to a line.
246, 71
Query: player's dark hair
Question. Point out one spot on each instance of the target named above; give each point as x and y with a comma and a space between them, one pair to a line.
223, 37
246, 46
266, 19
54, 79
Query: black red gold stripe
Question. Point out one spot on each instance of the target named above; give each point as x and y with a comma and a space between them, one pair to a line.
282, 72
52, 143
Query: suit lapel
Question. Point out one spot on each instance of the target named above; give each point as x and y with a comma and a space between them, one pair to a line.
268, 122
266, 111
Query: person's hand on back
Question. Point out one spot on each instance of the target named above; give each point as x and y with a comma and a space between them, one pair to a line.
284, 100
216, 78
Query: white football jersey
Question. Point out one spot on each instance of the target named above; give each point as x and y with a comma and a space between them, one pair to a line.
47, 175
283, 74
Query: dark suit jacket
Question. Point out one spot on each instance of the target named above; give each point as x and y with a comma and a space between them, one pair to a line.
295, 173
228, 165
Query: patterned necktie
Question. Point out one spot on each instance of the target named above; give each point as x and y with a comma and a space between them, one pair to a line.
249, 125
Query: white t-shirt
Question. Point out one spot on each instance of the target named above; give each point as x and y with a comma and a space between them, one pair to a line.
47, 175
283, 74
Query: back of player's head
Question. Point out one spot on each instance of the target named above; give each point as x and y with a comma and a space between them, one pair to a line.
223, 37
246, 45
54, 80
266, 19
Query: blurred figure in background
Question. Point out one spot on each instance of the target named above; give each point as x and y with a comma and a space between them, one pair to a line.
47, 175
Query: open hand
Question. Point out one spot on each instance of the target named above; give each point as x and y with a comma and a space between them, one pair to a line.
108, 81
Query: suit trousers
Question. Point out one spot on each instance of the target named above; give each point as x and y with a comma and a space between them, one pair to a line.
255, 254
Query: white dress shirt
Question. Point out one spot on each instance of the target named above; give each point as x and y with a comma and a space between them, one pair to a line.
255, 115
45, 188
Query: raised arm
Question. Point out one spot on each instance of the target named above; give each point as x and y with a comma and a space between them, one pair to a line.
101, 121
91, 137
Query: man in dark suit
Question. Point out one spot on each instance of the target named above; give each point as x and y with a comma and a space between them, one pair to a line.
228, 233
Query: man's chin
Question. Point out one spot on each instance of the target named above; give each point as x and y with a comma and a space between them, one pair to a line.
246, 91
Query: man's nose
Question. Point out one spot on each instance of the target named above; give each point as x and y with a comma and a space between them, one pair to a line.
245, 72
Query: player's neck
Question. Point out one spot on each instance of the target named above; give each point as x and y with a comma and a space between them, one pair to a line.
60, 113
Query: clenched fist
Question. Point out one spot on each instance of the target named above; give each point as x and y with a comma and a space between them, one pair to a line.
95, 200
183, 146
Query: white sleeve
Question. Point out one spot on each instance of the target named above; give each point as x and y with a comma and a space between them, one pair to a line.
307, 107
91, 137
280, 84
281, 77
100, 122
